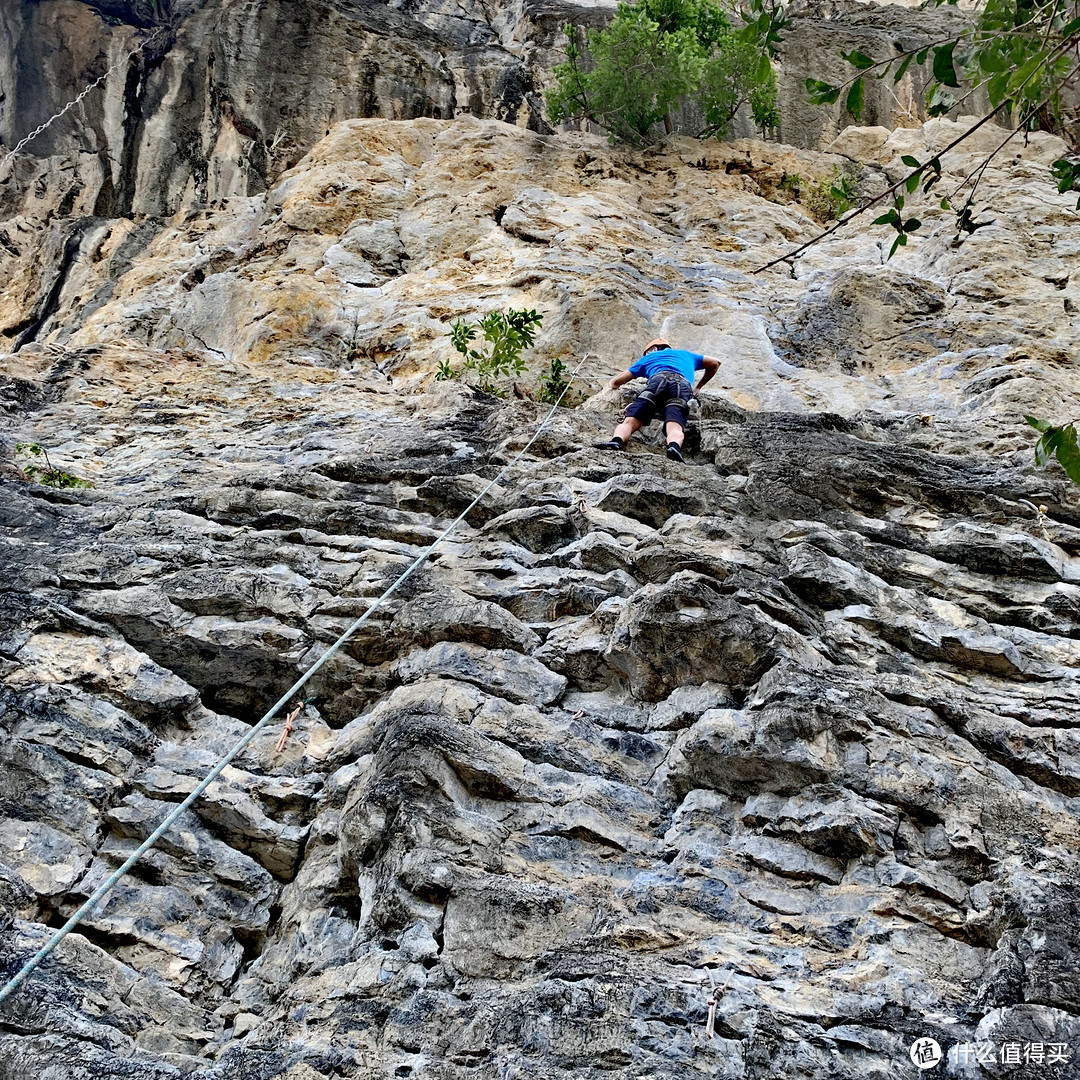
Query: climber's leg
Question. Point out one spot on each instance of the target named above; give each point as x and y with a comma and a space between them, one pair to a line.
676, 415
621, 436
639, 413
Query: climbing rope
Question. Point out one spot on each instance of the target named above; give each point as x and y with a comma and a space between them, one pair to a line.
106, 886
76, 100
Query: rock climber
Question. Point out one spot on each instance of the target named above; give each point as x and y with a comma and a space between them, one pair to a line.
671, 385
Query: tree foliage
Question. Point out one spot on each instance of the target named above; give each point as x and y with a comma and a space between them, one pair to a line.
658, 54
1019, 50
1025, 54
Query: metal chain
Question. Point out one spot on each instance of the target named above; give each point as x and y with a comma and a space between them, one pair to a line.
75, 101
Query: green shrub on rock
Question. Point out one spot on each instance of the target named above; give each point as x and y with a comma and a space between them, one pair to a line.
503, 338
656, 55
47, 474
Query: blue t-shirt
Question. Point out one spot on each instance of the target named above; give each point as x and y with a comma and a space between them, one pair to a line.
685, 363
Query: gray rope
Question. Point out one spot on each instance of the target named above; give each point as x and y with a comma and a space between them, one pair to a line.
106, 886
75, 101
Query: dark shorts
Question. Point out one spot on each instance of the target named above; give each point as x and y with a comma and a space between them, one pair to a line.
668, 394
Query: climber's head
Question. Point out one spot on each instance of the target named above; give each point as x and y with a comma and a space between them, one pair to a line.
655, 344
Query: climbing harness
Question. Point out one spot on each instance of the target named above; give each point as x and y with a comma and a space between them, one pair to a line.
76, 100
106, 886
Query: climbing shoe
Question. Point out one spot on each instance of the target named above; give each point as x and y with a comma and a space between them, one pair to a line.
610, 444
674, 452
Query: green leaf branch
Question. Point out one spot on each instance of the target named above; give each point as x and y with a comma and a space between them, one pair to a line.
823, 93
904, 226
1059, 442
1067, 173
497, 354
890, 191
49, 474
965, 214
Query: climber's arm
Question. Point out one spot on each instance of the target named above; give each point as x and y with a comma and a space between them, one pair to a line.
710, 366
620, 379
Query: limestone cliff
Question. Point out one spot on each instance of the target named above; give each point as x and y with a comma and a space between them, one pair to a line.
798, 718
228, 93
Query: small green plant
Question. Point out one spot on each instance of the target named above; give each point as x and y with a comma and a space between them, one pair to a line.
352, 349
503, 338
791, 183
444, 372
553, 382
828, 199
48, 474
1059, 442
825, 199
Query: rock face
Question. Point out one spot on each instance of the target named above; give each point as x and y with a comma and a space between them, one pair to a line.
798, 719
225, 94
228, 93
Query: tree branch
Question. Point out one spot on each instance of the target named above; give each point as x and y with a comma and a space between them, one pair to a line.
981, 168
879, 198
941, 153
